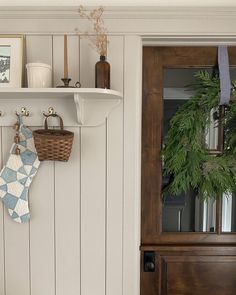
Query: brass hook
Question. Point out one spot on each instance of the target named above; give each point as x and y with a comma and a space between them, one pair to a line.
24, 112
51, 111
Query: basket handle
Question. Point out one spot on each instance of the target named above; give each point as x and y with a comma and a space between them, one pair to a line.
53, 115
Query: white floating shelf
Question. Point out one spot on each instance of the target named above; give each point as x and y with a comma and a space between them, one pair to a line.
96, 100
86, 93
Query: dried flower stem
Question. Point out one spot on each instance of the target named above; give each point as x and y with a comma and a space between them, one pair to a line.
99, 40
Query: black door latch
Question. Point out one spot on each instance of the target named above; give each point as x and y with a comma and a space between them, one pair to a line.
149, 261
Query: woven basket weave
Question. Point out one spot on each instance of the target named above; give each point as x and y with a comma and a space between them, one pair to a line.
53, 144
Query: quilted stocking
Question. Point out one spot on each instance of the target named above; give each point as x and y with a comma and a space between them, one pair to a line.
18, 173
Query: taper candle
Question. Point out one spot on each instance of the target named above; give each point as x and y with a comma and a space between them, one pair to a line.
65, 58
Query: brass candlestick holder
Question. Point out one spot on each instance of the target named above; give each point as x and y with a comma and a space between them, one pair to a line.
66, 82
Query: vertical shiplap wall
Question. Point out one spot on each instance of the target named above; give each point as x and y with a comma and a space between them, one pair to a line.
74, 243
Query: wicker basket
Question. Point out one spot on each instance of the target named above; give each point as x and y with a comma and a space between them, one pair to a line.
53, 144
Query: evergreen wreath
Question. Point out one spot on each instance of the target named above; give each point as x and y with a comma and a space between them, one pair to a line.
187, 161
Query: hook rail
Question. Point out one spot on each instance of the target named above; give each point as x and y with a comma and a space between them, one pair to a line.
50, 112
24, 112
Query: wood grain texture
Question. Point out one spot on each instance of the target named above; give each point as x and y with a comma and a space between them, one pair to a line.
155, 60
149, 281
192, 57
183, 266
190, 270
152, 113
202, 275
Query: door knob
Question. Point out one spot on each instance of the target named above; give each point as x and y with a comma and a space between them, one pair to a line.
149, 267
149, 261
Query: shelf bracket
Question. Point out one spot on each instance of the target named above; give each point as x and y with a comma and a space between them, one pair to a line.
79, 103
99, 107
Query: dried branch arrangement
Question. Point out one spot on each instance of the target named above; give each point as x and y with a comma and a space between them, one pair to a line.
98, 38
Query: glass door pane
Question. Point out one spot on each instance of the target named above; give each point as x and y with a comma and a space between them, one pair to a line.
229, 213
186, 212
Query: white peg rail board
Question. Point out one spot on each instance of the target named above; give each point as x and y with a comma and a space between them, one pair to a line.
77, 106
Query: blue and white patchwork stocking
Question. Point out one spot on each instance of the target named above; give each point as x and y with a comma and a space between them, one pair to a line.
17, 175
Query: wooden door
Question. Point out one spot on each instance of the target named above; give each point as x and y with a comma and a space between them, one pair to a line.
177, 262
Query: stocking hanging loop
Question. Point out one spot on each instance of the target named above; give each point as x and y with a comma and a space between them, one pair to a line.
224, 75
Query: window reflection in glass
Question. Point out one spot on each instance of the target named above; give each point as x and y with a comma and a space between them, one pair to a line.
229, 213
187, 212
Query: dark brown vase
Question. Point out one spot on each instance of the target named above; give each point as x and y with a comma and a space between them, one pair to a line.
102, 73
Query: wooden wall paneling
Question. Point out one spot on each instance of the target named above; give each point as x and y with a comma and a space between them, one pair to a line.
16, 239
115, 56
132, 156
39, 48
42, 230
67, 221
58, 59
52, 268
93, 190
73, 58
114, 207
2, 234
88, 59
93, 210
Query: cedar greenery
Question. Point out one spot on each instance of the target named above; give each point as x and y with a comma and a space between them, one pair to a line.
185, 153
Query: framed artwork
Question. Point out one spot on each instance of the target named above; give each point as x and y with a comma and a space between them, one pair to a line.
11, 60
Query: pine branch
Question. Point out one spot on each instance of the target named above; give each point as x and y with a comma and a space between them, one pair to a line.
185, 154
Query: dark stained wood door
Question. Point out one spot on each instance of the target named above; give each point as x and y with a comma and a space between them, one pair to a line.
195, 263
